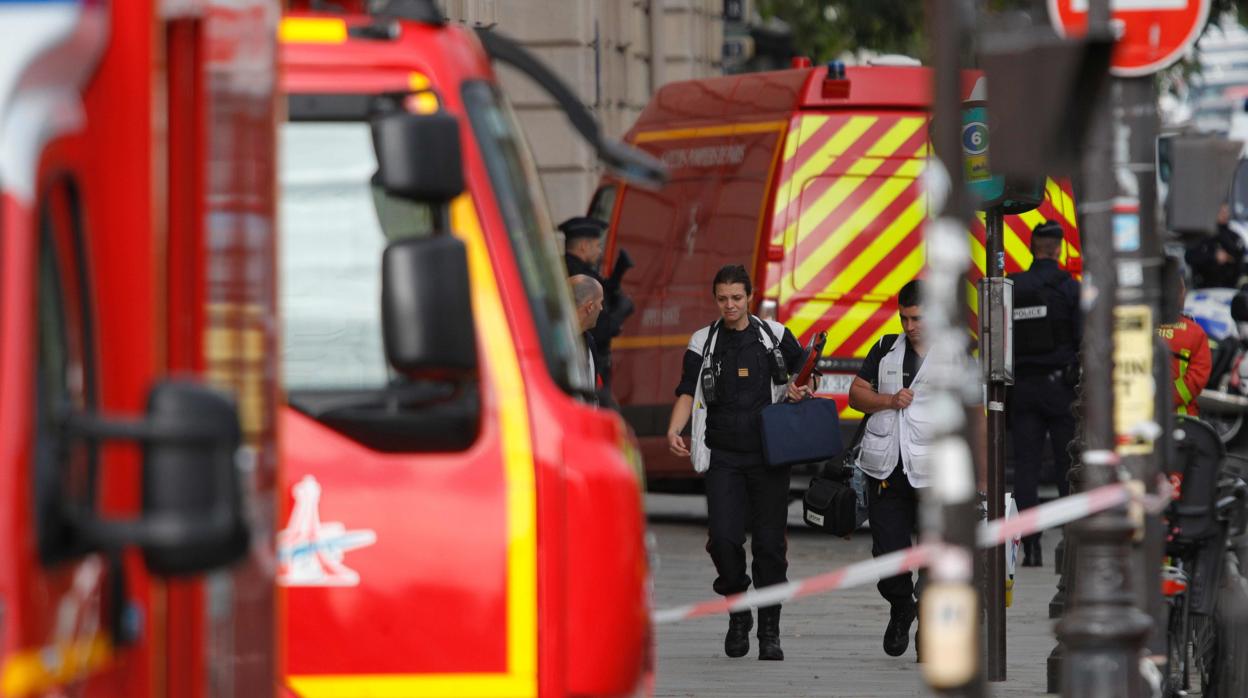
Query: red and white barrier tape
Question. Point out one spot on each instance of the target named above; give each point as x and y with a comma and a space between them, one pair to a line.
856, 574
994, 533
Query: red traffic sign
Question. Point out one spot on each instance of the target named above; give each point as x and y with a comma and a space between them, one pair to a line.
1152, 34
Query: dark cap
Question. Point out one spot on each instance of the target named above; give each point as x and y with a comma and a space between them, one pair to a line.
1049, 229
582, 227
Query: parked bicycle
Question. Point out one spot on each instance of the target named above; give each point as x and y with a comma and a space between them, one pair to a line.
1209, 509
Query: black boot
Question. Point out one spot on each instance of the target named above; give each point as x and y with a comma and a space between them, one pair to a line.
897, 634
769, 634
737, 641
1032, 555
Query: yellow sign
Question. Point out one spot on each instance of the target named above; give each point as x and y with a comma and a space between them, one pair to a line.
977, 168
1134, 388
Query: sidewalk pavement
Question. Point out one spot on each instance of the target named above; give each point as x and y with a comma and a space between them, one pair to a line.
832, 643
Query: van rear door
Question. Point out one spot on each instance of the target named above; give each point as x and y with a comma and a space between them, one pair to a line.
709, 214
850, 211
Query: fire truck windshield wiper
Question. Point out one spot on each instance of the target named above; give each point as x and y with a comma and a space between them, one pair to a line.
629, 163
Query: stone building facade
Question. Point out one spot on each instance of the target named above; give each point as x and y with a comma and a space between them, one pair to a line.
604, 49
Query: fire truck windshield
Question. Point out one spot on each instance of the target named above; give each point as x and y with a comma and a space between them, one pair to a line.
332, 241
523, 207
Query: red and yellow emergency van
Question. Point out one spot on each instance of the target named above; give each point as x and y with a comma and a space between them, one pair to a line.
814, 185
137, 266
458, 526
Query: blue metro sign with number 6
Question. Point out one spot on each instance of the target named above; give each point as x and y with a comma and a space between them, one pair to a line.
978, 177
975, 138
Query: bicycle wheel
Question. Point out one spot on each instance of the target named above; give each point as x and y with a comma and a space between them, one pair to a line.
1227, 425
1176, 650
1204, 639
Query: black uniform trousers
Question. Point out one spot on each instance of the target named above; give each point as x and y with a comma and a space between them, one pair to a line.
893, 511
1040, 405
743, 494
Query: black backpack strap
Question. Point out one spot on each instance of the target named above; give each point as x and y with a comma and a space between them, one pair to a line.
837, 468
886, 345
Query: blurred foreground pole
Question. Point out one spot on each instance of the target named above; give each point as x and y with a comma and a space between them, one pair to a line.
1102, 630
1142, 292
949, 609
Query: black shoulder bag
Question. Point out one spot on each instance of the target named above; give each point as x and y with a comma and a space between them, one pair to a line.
830, 505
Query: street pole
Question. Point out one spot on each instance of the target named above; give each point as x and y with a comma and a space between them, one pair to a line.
994, 595
949, 607
1142, 286
1102, 631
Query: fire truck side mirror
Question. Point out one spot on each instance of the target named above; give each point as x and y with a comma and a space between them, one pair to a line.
426, 308
192, 519
419, 156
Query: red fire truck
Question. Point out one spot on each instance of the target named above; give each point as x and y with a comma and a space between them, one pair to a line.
137, 382
811, 181
456, 521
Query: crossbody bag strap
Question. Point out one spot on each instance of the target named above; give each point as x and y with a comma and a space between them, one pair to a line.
710, 337
842, 466
766, 328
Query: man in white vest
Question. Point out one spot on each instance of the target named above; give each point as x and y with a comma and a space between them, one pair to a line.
733, 368
891, 388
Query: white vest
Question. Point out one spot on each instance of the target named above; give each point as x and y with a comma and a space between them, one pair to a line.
701, 452
907, 434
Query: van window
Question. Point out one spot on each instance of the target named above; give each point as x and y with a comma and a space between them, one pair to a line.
603, 203
332, 242
523, 208
335, 227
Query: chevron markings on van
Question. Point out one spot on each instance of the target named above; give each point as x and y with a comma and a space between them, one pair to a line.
848, 213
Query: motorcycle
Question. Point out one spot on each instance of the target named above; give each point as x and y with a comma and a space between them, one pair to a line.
1223, 314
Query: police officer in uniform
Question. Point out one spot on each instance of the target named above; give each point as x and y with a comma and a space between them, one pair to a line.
583, 250
1048, 329
1218, 261
583, 245
734, 368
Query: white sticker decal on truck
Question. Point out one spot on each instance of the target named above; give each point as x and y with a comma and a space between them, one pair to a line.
309, 551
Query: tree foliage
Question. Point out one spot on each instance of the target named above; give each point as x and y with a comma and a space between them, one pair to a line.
824, 29
1238, 7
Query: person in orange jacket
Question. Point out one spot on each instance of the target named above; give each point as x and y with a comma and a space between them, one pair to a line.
1190, 359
